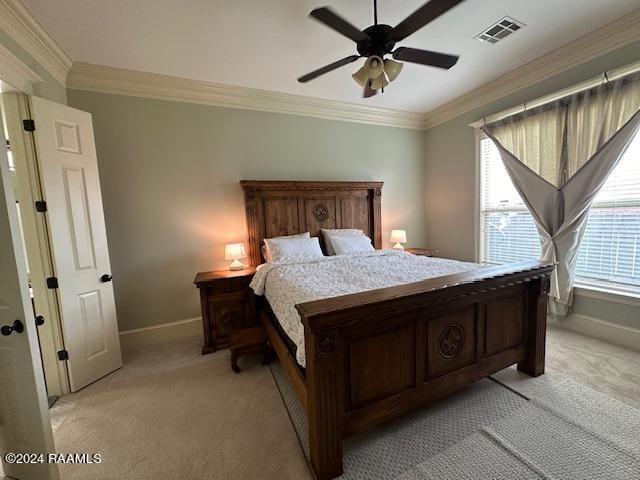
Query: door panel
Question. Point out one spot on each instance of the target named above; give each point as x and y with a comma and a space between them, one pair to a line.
93, 324
69, 173
78, 215
25, 426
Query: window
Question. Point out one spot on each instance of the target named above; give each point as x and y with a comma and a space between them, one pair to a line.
507, 231
609, 254
610, 249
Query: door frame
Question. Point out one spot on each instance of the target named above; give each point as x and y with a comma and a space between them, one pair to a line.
26, 81
36, 233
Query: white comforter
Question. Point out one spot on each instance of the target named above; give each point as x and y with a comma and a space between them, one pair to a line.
286, 285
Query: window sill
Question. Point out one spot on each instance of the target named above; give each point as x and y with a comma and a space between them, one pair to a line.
607, 294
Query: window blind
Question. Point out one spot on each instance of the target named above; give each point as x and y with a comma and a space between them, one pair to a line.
610, 249
507, 230
609, 254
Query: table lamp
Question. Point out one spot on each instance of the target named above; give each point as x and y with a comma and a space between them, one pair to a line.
234, 251
398, 237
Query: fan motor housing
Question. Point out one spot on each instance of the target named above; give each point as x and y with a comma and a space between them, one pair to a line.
379, 42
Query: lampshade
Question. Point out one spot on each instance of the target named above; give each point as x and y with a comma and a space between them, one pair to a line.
379, 82
398, 236
361, 76
233, 251
374, 66
392, 69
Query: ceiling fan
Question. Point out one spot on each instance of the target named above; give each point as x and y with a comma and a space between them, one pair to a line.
378, 40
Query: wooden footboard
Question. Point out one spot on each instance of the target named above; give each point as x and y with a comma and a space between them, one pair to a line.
375, 355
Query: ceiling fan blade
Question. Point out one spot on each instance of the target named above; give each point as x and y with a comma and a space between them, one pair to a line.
337, 23
418, 19
328, 68
368, 91
425, 57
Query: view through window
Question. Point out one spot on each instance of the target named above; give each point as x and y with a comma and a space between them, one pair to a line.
609, 254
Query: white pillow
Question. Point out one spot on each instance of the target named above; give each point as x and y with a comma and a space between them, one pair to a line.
265, 249
329, 233
345, 244
290, 250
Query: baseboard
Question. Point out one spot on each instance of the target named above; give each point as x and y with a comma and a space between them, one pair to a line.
140, 337
620, 335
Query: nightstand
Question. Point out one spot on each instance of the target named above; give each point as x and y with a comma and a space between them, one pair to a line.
423, 252
227, 303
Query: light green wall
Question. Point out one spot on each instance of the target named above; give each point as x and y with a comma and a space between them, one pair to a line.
49, 88
450, 181
169, 173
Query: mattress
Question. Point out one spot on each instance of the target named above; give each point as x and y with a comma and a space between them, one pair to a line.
287, 284
290, 344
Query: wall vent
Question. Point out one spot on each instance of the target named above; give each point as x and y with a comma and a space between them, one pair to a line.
499, 30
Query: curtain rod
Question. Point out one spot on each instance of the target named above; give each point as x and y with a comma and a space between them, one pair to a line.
608, 75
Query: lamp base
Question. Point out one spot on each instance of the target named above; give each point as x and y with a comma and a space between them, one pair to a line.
236, 265
398, 246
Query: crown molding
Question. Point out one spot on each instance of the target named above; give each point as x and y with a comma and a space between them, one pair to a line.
612, 36
19, 23
118, 81
16, 20
15, 72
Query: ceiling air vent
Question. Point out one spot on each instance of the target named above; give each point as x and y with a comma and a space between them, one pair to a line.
499, 30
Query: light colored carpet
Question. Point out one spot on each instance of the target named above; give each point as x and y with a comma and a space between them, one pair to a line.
606, 368
173, 415
394, 447
572, 432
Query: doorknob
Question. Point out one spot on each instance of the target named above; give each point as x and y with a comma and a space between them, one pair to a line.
106, 278
17, 327
39, 320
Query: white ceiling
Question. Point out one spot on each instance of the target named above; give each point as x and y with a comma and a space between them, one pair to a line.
267, 44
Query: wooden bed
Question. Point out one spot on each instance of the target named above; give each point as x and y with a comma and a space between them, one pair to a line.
375, 355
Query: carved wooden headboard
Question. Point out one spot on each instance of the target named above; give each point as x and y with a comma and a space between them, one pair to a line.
276, 208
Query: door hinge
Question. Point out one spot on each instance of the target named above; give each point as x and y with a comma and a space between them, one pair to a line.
29, 125
63, 355
52, 282
41, 206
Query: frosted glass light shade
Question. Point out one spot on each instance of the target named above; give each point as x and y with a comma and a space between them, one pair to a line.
379, 82
398, 237
392, 69
361, 77
234, 251
374, 66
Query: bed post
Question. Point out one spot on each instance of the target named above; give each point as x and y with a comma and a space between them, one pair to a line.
325, 399
253, 224
538, 295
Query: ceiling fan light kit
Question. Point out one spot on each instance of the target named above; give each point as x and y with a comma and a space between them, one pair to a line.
378, 40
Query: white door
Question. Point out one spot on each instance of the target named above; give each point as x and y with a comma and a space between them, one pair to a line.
66, 154
24, 414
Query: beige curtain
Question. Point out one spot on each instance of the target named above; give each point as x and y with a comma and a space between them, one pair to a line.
558, 157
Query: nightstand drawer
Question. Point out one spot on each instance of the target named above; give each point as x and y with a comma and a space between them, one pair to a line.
231, 286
